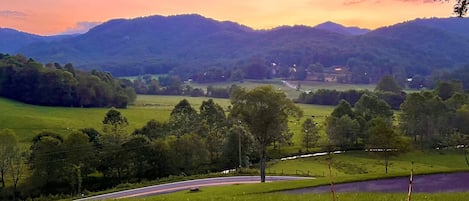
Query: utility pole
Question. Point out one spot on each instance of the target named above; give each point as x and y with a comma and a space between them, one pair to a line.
239, 150
239, 145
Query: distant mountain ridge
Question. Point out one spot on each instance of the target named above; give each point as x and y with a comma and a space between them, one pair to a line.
338, 28
11, 40
190, 44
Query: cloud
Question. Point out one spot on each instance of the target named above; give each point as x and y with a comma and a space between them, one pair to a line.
354, 2
81, 27
12, 14
418, 1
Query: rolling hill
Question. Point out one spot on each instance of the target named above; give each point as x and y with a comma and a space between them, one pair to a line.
191, 44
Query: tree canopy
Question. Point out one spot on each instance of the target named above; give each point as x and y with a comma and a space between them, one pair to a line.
265, 111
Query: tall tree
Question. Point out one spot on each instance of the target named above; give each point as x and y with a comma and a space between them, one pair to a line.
263, 110
48, 165
8, 146
388, 84
369, 107
114, 135
213, 117
310, 133
343, 131
343, 108
79, 154
424, 116
183, 119
385, 140
115, 126
446, 89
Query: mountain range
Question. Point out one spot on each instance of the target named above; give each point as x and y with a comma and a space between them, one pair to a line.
189, 44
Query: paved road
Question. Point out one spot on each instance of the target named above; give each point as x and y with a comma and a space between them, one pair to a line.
451, 182
186, 185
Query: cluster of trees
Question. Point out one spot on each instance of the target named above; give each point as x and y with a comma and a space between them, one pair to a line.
27, 81
460, 74
428, 120
387, 89
190, 142
172, 85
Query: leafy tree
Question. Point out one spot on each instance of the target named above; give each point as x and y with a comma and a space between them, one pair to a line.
424, 116
461, 120
115, 126
370, 106
456, 101
344, 108
342, 131
445, 89
114, 136
79, 156
264, 110
384, 140
183, 119
153, 130
17, 169
137, 152
213, 117
8, 146
47, 163
159, 160
189, 154
239, 147
388, 84
310, 133
460, 7
282, 136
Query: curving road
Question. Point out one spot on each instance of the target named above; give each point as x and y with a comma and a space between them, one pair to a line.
186, 185
436, 183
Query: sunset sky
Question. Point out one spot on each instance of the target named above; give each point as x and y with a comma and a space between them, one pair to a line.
48, 17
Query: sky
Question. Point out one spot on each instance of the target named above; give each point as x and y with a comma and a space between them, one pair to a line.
50, 17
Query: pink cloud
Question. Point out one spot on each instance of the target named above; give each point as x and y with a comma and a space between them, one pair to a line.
12, 14
354, 2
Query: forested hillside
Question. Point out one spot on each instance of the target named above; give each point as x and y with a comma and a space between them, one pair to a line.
28, 81
206, 50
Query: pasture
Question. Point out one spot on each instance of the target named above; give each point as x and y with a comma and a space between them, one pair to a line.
28, 120
348, 167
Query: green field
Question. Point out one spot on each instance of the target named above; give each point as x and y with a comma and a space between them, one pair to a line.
361, 163
28, 120
348, 167
291, 92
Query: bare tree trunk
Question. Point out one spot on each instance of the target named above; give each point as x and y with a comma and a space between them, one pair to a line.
263, 160
331, 177
465, 156
386, 160
3, 180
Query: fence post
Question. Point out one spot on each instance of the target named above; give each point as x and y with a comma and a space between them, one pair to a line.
409, 195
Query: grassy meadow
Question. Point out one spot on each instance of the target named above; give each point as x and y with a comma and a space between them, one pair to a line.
291, 92
348, 167
28, 120
362, 163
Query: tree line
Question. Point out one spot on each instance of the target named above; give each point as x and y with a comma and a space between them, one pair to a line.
28, 81
208, 140
427, 120
173, 85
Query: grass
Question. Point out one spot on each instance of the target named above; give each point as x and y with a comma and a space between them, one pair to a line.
361, 163
28, 120
271, 191
348, 168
